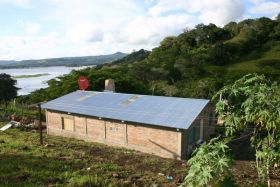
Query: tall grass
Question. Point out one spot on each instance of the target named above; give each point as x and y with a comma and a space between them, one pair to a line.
18, 109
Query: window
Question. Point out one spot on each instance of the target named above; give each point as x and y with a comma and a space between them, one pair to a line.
211, 119
191, 135
67, 124
114, 129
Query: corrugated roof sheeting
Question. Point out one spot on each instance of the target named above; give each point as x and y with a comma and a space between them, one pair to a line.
155, 110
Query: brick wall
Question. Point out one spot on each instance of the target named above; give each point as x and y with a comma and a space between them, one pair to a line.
54, 119
95, 130
80, 125
154, 140
207, 130
116, 133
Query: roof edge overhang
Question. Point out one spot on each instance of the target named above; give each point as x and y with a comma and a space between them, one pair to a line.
208, 103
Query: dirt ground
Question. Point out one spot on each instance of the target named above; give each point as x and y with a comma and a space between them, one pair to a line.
70, 162
244, 169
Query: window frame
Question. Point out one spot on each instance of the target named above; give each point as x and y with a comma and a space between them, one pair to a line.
191, 133
63, 117
211, 119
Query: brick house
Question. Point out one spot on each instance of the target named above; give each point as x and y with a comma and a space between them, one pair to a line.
165, 126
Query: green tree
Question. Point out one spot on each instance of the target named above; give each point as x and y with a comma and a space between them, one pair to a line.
8, 90
276, 32
196, 63
231, 27
253, 102
208, 164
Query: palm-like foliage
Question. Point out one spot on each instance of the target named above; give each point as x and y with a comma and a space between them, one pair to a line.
208, 163
254, 102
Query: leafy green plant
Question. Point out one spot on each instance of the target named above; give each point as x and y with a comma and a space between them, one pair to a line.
19, 109
107, 166
88, 180
228, 181
209, 163
253, 102
267, 156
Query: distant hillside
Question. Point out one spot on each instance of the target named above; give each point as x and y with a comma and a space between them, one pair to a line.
135, 56
7, 62
66, 61
196, 63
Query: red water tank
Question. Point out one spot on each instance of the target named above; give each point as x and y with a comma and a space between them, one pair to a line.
83, 83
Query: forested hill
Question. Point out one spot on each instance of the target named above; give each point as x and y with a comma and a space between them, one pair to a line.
65, 61
196, 63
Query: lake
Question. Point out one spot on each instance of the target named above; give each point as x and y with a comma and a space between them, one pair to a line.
30, 84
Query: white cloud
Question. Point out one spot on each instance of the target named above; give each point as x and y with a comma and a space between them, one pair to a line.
31, 47
20, 3
274, 17
92, 27
218, 12
163, 6
73, 11
85, 32
151, 30
30, 27
209, 11
257, 1
110, 23
266, 7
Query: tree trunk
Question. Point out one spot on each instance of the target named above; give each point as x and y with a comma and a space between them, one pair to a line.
256, 149
270, 145
6, 105
268, 177
257, 164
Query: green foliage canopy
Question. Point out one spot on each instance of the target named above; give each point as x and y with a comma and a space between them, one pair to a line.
254, 102
196, 63
8, 89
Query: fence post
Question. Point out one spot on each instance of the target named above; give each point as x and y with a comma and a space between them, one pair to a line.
40, 124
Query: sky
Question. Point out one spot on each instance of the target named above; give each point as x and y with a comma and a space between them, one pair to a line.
36, 29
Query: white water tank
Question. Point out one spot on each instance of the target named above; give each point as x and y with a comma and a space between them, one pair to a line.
109, 85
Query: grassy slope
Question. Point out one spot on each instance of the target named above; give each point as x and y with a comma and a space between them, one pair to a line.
24, 163
253, 61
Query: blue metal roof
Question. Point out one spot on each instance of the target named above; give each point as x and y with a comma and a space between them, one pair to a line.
154, 110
